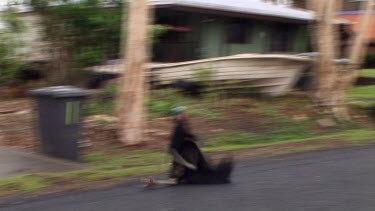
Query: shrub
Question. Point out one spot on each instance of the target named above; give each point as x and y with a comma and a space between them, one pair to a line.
9, 66
370, 60
9, 69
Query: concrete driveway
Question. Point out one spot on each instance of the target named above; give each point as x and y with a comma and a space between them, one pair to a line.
15, 162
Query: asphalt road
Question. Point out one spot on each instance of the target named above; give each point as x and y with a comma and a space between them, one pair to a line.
341, 179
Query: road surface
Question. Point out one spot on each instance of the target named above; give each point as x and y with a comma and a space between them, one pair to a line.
341, 179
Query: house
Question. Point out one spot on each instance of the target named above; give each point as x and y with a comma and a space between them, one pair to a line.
201, 29
211, 28
352, 12
33, 47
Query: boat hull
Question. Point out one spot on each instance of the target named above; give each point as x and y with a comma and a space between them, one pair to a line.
272, 75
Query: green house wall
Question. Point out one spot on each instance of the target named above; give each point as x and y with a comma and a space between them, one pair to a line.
212, 39
208, 36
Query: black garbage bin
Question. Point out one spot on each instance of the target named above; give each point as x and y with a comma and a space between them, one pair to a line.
59, 110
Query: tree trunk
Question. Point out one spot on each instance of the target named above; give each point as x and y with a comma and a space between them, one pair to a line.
332, 81
325, 70
348, 73
131, 104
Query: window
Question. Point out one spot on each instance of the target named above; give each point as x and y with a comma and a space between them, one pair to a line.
237, 32
351, 5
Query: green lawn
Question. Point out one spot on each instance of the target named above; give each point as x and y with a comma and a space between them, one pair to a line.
118, 159
362, 92
235, 140
368, 73
363, 96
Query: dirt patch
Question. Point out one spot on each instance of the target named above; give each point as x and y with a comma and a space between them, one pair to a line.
11, 92
157, 133
17, 125
235, 119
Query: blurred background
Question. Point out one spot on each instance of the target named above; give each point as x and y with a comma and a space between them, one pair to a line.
248, 71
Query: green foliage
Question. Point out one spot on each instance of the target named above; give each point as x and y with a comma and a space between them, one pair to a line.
105, 103
203, 75
97, 107
160, 107
156, 31
14, 23
160, 103
39, 4
9, 66
9, 69
111, 90
370, 60
89, 57
87, 32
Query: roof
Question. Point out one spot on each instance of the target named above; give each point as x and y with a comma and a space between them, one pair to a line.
241, 6
235, 6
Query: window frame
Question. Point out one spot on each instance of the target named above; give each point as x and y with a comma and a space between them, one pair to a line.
244, 32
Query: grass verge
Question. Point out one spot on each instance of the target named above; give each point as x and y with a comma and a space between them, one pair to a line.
368, 73
35, 182
238, 141
111, 166
278, 133
362, 92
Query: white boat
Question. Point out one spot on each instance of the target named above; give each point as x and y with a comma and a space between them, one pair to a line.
268, 74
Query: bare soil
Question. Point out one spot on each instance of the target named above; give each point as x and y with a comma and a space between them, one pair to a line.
18, 126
